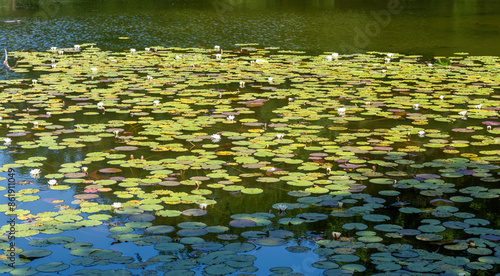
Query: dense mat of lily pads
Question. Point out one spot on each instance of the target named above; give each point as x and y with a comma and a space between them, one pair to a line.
375, 163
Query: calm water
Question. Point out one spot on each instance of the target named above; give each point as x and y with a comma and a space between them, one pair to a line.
419, 27
430, 28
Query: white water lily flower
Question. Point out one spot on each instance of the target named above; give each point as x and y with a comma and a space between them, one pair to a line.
53, 48
147, 49
48, 113
149, 77
421, 133
463, 113
93, 69
7, 140
387, 60
217, 48
77, 47
479, 106
242, 84
329, 58
328, 170
215, 138
52, 182
34, 81
281, 207
270, 79
35, 124
416, 106
336, 235
230, 118
35, 172
335, 55
279, 136
441, 97
341, 110
218, 56
340, 204
156, 102
132, 50
389, 55
203, 206
85, 169
116, 205
100, 105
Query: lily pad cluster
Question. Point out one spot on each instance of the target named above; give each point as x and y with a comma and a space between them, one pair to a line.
385, 163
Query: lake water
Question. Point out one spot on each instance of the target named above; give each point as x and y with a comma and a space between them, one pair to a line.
368, 119
427, 27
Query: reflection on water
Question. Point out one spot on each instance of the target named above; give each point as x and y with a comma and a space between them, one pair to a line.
420, 27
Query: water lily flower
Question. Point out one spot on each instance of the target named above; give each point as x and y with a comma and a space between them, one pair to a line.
441, 97
61, 52
217, 48
48, 114
77, 47
421, 133
149, 77
463, 113
279, 136
35, 172
34, 82
218, 56
336, 235
270, 79
203, 206
53, 65
85, 169
230, 118
389, 55
93, 69
335, 55
387, 60
178, 57
78, 127
479, 106
215, 138
156, 102
53, 48
35, 124
147, 49
488, 128
341, 111
100, 105
281, 207
116, 205
368, 103
53, 182
132, 50
242, 84
430, 64
328, 171
7, 141
340, 204
116, 131
329, 58
416, 106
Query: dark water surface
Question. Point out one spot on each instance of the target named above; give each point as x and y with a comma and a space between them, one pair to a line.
419, 27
